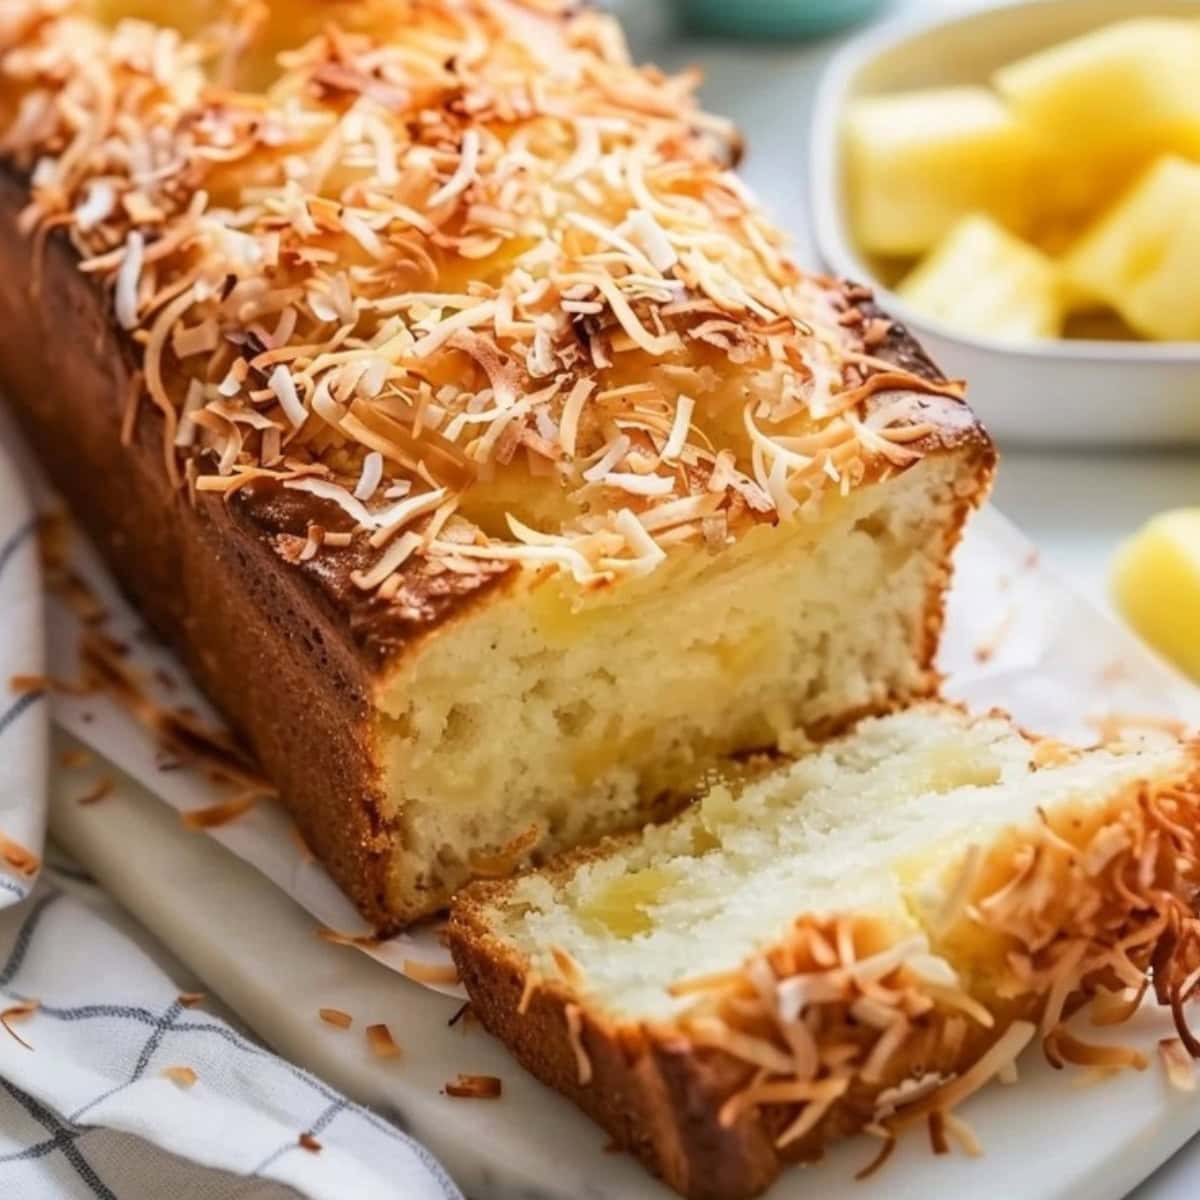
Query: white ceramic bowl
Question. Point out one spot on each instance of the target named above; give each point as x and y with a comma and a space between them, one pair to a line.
1073, 392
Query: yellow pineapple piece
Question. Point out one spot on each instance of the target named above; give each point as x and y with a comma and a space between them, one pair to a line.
1156, 585
1129, 85
984, 280
1143, 256
919, 161
1101, 107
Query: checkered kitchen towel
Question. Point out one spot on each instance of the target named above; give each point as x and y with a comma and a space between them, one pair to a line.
112, 1087
115, 1088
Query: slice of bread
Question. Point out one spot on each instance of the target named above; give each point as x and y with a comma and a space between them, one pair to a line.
858, 939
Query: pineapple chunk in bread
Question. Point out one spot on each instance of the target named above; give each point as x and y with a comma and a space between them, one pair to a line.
442, 396
857, 939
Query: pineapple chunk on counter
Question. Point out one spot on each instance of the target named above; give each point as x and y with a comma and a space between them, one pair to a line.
1156, 585
1143, 256
1130, 86
919, 161
984, 280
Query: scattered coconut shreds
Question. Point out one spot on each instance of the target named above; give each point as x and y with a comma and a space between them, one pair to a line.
23, 861
504, 861
17, 1012
475, 1087
309, 1143
424, 972
1178, 1064
23, 685
98, 791
184, 1077
276, 329
335, 1017
190, 999
364, 941
178, 731
840, 1006
216, 815
583, 1064
381, 1042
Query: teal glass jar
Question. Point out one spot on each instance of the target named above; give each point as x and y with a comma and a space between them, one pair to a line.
775, 18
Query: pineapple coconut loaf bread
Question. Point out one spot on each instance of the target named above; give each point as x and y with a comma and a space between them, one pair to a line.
859, 940
430, 382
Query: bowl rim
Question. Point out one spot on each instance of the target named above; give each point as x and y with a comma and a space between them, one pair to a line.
831, 236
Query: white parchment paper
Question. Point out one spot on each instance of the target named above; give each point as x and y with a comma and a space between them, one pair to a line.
1016, 638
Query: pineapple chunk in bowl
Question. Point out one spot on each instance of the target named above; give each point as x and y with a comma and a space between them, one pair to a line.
1060, 240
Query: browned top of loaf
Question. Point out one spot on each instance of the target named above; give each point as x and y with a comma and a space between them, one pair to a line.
432, 289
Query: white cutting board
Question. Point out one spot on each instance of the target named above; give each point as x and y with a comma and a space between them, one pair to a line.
1046, 1138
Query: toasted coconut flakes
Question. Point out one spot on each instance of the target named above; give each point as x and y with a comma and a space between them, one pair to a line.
216, 815
475, 1087
1115, 1008
125, 298
190, 999
464, 173
390, 561
335, 1017
532, 982
425, 972
885, 1152
1004, 1050
964, 884
504, 862
99, 201
570, 970
370, 476
583, 1063
332, 491
963, 1134
1063, 1046
937, 1133
639, 485
23, 861
364, 941
404, 512
569, 423
22, 685
812, 1112
1066, 978
379, 1039
98, 791
680, 429
1178, 1064
184, 1077
284, 387
757, 1051
18, 1012
644, 231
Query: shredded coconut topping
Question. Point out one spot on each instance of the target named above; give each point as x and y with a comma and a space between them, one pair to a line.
447, 244
841, 1007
